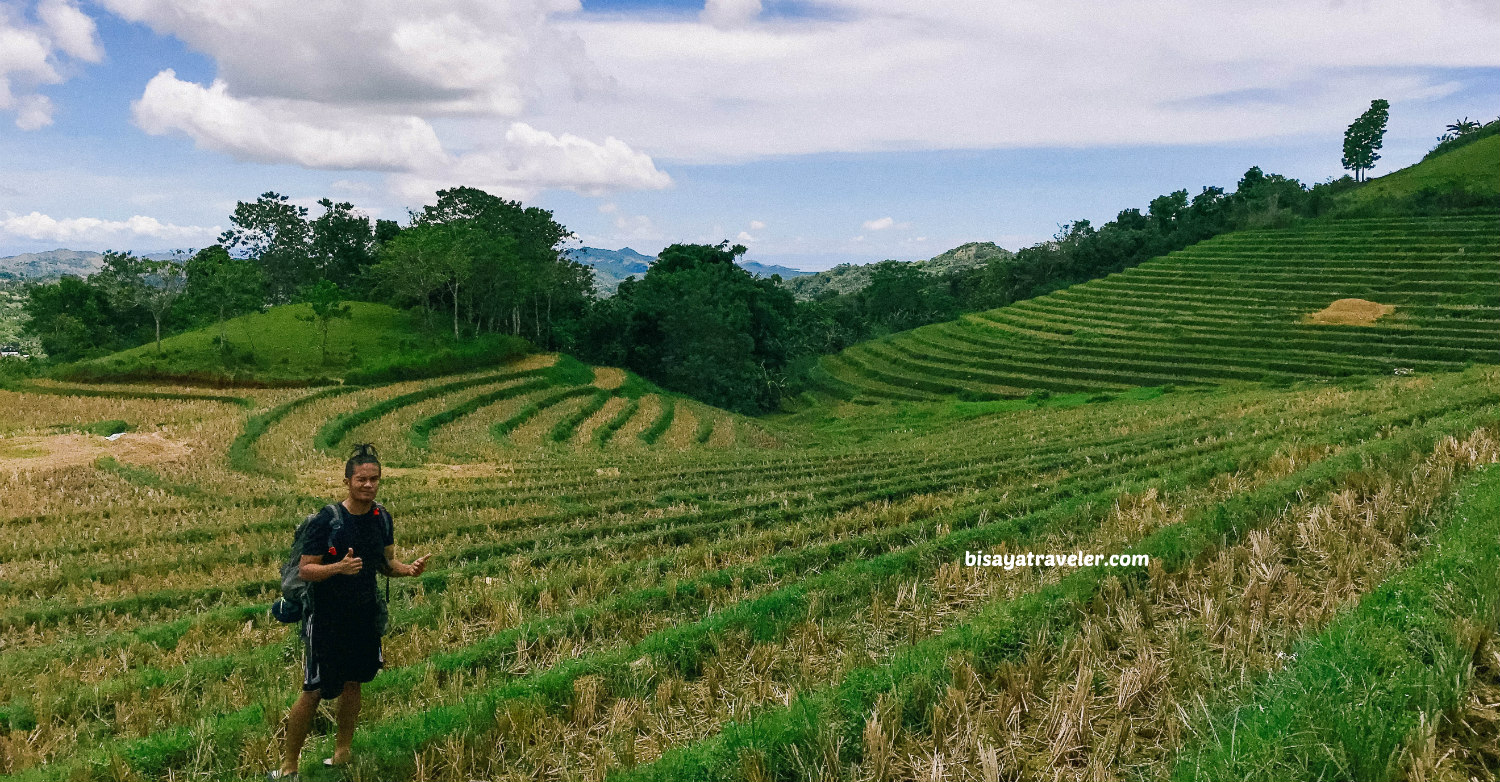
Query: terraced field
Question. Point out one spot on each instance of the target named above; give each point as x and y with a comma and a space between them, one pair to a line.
630, 585
1231, 309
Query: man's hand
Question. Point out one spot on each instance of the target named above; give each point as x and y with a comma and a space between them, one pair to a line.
350, 564
416, 568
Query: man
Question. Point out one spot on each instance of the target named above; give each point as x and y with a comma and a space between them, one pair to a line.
343, 632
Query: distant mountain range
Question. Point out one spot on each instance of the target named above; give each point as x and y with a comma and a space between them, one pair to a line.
848, 277
612, 266
52, 264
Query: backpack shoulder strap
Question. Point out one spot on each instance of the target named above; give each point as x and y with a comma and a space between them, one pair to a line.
385, 515
336, 523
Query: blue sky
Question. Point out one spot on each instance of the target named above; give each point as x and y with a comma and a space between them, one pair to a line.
814, 132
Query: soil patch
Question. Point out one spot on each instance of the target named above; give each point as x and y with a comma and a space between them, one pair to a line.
51, 452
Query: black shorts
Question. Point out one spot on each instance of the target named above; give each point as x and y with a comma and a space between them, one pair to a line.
338, 655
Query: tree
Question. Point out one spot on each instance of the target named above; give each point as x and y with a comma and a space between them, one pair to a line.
275, 234
522, 280
1364, 137
154, 286
70, 318
428, 259
342, 244
700, 324
327, 306
224, 285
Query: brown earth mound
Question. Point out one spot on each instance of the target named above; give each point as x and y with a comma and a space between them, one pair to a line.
1351, 312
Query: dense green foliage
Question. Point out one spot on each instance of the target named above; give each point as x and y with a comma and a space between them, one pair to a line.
1364, 138
698, 324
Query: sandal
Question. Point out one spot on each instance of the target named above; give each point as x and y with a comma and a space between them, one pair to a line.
280, 776
328, 762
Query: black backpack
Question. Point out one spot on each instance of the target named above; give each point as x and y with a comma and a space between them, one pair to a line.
295, 603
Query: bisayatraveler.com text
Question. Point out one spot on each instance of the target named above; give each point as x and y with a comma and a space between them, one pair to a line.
1033, 559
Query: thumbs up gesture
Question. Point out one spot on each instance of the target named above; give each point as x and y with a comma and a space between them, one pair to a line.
350, 564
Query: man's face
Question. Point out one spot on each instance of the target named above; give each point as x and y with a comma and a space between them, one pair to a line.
365, 481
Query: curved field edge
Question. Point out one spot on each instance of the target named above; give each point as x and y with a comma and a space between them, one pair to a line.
1360, 693
916, 678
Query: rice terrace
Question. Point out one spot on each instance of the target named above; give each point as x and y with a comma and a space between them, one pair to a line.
1206, 492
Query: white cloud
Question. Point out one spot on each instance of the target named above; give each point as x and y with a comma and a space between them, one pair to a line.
527, 160
72, 31
744, 236
280, 131
359, 85
879, 75
476, 57
33, 55
94, 232
884, 223
756, 225
730, 13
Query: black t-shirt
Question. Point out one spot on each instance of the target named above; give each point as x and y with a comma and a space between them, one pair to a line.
368, 533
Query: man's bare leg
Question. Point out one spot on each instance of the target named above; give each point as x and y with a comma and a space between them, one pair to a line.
349, 701
298, 723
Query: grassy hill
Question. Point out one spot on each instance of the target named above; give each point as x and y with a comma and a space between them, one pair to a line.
1239, 307
1474, 167
278, 347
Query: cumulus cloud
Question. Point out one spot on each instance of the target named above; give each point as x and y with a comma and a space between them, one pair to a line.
95, 232
35, 54
360, 84
528, 159
744, 236
756, 225
281, 131
72, 30
484, 57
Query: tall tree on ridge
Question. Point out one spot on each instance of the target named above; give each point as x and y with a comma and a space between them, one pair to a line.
274, 233
1364, 137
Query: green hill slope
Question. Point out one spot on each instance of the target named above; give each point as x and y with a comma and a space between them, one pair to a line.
278, 347
1473, 167
1233, 308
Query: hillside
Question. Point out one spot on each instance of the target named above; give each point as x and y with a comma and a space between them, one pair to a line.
50, 264
278, 346
848, 277
1239, 307
1474, 167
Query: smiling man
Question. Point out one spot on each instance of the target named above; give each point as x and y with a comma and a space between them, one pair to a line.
339, 562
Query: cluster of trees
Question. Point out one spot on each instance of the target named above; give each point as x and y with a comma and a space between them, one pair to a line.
492, 264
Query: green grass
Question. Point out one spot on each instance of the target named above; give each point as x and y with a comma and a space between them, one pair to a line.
276, 347
1359, 692
1473, 167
